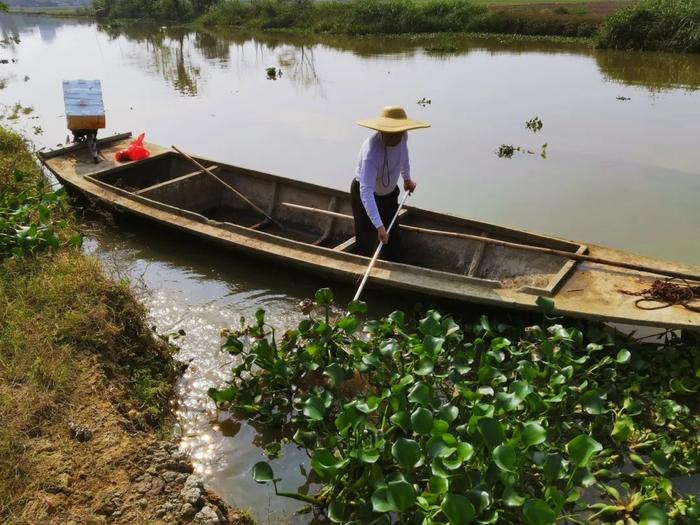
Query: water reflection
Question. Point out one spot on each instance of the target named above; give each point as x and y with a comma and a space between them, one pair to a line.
655, 72
169, 52
177, 53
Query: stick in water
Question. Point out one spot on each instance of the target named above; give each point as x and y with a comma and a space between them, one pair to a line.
234, 190
379, 249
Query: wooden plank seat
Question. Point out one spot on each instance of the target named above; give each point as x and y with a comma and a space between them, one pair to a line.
144, 192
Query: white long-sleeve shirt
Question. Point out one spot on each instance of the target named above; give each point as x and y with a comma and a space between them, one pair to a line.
378, 171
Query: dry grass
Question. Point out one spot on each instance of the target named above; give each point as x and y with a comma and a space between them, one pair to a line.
69, 338
57, 314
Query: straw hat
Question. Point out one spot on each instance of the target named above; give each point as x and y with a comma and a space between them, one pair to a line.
392, 119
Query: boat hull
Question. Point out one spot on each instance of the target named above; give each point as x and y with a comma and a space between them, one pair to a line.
495, 276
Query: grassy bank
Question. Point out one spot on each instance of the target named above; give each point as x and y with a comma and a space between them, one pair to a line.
372, 17
654, 25
69, 339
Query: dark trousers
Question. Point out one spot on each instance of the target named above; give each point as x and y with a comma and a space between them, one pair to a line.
366, 234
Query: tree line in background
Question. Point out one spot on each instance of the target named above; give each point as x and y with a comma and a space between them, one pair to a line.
657, 25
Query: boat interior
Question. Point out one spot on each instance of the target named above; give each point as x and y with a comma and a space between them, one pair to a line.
174, 181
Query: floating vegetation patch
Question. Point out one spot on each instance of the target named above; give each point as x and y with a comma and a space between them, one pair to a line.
534, 124
439, 421
506, 151
273, 73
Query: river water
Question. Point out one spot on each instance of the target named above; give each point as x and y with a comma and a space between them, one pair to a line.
622, 163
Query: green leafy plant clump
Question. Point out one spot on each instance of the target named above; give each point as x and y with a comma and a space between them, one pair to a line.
32, 220
436, 421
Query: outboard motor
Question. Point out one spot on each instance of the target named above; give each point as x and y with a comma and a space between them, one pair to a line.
85, 111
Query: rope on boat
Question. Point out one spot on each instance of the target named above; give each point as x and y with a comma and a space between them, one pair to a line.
669, 293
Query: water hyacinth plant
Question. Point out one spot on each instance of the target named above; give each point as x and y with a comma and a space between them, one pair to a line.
440, 422
33, 219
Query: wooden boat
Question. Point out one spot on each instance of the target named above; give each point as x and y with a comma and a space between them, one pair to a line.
311, 230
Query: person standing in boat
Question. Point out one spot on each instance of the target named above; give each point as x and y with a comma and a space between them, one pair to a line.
374, 190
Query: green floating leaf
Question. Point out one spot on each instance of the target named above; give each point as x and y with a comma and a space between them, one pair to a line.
337, 512
582, 448
661, 462
421, 394
357, 307
402, 420
425, 366
448, 413
325, 464
505, 458
366, 455
324, 297
511, 498
553, 466
537, 512
223, 396
430, 324
380, 500
623, 356
438, 485
335, 373
592, 402
652, 514
348, 324
314, 408
545, 304
407, 452
458, 509
492, 431
262, 472
422, 420
401, 495
533, 434
622, 429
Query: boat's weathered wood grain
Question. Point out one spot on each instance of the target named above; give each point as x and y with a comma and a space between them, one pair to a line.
539, 249
476, 258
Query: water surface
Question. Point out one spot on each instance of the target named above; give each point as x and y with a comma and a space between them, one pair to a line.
620, 172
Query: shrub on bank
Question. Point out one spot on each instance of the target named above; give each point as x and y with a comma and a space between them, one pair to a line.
357, 17
377, 17
654, 25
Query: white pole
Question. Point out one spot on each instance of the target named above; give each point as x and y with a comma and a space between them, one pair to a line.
379, 249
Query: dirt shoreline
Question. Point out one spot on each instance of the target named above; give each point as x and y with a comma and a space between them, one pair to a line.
103, 470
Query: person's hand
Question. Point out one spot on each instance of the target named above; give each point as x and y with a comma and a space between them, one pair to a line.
409, 185
382, 235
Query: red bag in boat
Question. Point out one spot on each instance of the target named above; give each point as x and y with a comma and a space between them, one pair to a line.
135, 151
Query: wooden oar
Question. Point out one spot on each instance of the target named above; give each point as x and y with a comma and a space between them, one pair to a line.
517, 246
234, 190
379, 249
